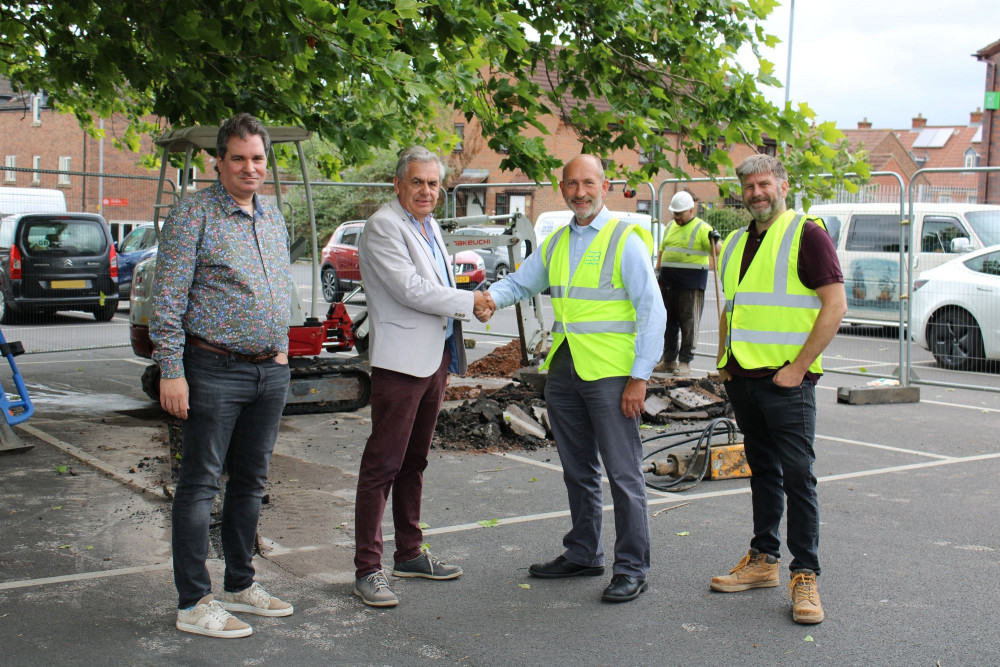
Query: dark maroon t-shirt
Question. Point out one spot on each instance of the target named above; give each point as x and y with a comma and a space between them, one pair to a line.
818, 266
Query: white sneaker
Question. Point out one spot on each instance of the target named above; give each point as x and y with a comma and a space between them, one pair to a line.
255, 600
209, 618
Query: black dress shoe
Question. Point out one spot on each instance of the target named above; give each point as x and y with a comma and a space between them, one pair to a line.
561, 567
623, 588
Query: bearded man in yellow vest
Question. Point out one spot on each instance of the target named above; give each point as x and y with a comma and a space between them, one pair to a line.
607, 336
784, 301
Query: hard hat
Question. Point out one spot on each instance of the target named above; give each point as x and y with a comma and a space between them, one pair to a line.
681, 201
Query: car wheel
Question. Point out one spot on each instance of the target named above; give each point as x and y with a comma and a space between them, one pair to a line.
331, 285
106, 312
151, 382
501, 272
955, 340
7, 314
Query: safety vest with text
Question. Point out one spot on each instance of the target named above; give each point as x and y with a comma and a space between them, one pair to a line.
593, 313
682, 245
769, 313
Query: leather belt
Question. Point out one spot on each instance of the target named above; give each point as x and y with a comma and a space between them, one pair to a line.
202, 344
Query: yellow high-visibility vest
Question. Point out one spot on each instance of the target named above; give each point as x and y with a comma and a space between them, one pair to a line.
593, 313
681, 245
770, 313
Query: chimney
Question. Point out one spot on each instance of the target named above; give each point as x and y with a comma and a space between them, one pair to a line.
976, 117
864, 124
919, 122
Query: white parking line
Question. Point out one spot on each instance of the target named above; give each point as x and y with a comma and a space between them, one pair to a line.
885, 447
702, 496
83, 576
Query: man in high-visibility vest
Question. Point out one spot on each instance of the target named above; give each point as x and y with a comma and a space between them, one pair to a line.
784, 301
687, 254
607, 336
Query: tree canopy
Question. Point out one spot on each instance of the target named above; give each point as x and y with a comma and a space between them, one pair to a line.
367, 74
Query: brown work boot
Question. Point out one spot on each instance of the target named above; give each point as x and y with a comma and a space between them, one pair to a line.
683, 370
756, 570
665, 367
804, 591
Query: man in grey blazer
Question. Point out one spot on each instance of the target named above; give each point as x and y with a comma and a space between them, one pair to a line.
415, 314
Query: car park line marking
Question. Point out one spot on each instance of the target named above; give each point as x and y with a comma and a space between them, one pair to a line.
886, 447
528, 518
83, 576
552, 466
93, 461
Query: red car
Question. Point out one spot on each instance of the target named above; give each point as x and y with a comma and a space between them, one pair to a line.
339, 270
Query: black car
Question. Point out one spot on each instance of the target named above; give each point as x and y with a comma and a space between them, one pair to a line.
57, 261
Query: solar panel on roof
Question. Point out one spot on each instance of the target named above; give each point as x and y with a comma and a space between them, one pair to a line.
977, 138
933, 137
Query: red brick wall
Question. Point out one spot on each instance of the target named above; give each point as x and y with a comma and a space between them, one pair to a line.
989, 183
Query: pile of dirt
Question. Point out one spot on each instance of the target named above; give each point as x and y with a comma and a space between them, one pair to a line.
500, 363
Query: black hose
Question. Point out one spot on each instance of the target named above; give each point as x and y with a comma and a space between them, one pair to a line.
704, 442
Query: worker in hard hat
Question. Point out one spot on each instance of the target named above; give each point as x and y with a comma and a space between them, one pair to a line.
687, 253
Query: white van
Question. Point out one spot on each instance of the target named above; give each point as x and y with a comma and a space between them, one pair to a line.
31, 200
550, 221
867, 239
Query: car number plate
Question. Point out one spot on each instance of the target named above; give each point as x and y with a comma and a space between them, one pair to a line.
69, 284
461, 279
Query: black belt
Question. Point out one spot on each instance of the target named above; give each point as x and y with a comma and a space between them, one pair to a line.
201, 344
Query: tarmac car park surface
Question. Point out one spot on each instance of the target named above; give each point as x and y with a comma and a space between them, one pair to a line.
910, 545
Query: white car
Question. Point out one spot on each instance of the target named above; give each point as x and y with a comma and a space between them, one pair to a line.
956, 310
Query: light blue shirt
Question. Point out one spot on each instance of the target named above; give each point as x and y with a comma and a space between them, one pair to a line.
637, 273
442, 264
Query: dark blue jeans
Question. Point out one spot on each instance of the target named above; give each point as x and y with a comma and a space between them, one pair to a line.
779, 426
234, 414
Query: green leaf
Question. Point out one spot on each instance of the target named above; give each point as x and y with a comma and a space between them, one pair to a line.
58, 507
423, 526
425, 547
683, 533
533, 479
807, 638
66, 546
61, 469
488, 523
524, 585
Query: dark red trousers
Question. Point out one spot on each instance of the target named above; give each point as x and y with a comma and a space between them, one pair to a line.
404, 413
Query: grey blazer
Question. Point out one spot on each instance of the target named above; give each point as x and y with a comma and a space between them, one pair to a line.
408, 302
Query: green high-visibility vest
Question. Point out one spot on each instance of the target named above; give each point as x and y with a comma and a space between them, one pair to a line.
769, 313
593, 313
682, 245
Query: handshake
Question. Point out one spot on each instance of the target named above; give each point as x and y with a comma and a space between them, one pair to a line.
484, 306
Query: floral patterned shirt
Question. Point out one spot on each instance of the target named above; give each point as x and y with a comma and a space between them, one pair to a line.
221, 275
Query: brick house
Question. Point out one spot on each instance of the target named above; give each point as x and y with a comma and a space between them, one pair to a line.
989, 184
51, 150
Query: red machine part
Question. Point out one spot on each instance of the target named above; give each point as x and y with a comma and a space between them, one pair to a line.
334, 334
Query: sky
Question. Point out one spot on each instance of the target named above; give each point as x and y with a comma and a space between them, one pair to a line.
885, 60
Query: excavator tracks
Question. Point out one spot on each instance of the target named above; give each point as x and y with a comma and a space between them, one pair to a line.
319, 386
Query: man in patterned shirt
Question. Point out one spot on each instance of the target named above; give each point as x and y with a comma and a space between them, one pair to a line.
220, 331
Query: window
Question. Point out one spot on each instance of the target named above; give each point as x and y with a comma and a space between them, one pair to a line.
36, 164
191, 175
971, 159
874, 233
643, 206
460, 131
988, 263
503, 203
769, 147
63, 167
938, 234
10, 162
36, 109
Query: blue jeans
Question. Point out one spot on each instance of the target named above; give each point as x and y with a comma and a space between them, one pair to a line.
779, 426
234, 414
